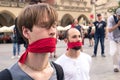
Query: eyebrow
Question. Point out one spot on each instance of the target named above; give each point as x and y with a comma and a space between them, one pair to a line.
76, 36
47, 24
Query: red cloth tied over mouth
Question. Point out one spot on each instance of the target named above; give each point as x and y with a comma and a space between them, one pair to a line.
71, 45
39, 47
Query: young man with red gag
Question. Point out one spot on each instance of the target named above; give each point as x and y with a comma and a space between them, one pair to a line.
37, 24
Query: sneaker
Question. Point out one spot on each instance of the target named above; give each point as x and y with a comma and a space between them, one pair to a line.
18, 56
93, 55
116, 70
103, 55
13, 57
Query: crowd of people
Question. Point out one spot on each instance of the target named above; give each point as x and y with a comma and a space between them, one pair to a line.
74, 64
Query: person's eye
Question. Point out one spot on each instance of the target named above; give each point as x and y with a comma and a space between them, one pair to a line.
79, 36
74, 36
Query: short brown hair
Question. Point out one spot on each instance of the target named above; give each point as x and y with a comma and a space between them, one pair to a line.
34, 2
36, 15
98, 15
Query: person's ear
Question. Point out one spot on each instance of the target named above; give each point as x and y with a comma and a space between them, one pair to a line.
25, 32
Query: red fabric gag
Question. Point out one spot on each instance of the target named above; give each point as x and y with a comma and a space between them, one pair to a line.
73, 44
40, 46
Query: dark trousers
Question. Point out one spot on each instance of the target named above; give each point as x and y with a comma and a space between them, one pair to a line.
97, 39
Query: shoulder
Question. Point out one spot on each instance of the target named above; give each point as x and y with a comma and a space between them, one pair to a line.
56, 66
95, 22
104, 23
5, 75
61, 59
86, 56
111, 18
110, 21
59, 71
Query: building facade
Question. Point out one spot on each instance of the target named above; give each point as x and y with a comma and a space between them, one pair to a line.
106, 7
67, 11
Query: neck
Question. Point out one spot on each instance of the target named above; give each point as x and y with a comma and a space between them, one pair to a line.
99, 20
37, 62
73, 53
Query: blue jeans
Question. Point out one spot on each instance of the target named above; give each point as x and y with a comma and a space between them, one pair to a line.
97, 38
16, 49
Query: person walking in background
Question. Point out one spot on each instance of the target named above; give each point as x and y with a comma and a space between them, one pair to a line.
37, 24
100, 32
114, 37
16, 46
90, 35
75, 64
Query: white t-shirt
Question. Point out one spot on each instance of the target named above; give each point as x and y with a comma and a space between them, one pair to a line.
75, 69
114, 35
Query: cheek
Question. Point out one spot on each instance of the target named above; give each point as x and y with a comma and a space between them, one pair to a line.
71, 39
42, 34
80, 39
39, 34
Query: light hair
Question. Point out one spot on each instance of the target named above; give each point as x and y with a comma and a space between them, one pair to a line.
36, 15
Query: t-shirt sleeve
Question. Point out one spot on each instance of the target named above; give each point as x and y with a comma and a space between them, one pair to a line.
110, 22
105, 24
94, 23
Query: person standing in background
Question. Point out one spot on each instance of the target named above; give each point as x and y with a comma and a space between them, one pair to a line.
100, 33
90, 35
16, 46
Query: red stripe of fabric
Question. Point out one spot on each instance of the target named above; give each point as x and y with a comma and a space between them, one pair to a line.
73, 44
40, 46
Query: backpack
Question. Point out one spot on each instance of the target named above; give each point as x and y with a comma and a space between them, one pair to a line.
115, 19
6, 75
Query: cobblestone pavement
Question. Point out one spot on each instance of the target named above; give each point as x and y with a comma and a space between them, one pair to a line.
101, 68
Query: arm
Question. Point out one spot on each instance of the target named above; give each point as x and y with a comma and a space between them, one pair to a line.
110, 21
106, 30
113, 28
106, 33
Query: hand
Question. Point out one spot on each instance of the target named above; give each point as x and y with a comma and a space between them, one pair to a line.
118, 23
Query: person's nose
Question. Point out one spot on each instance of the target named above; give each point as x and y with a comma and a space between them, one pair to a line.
52, 32
79, 39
